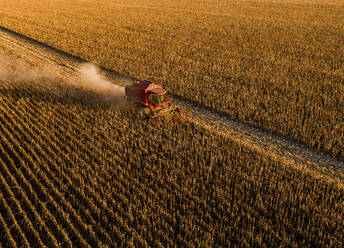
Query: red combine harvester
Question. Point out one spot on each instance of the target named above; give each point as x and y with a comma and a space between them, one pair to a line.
152, 100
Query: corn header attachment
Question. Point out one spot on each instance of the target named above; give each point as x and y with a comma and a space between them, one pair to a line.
152, 101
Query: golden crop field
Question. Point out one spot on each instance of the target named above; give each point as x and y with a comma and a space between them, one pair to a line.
89, 174
275, 64
80, 169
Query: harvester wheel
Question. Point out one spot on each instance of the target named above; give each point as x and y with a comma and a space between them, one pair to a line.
146, 111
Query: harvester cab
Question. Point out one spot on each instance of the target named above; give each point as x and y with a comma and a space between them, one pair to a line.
152, 100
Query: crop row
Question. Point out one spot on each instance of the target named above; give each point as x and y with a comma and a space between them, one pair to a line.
274, 65
89, 174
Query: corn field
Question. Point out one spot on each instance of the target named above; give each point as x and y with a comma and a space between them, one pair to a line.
79, 171
75, 173
275, 64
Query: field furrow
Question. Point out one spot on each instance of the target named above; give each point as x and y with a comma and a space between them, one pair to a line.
21, 210
84, 226
33, 173
7, 238
70, 154
73, 143
33, 191
5, 235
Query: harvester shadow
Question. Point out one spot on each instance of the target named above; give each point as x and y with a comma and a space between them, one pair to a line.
65, 95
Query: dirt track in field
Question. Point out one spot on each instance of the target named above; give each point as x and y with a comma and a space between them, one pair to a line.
67, 67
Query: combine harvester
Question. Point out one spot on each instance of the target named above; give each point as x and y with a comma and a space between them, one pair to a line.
152, 100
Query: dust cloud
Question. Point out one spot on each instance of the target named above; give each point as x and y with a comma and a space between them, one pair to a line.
92, 79
15, 72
